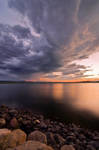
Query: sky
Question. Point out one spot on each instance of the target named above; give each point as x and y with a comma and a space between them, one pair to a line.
46, 40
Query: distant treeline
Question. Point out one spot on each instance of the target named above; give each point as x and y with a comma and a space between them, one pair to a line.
8, 82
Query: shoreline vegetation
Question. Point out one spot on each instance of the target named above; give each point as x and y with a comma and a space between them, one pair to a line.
43, 82
26, 130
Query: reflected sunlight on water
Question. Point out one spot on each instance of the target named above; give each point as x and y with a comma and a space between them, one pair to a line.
58, 92
77, 102
86, 97
80, 96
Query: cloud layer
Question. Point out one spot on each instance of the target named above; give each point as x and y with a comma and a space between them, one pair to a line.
52, 36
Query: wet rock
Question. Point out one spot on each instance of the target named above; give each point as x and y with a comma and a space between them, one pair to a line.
67, 147
15, 138
38, 136
4, 133
14, 123
2, 122
33, 145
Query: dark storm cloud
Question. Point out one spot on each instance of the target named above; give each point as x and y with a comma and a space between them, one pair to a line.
22, 57
71, 71
21, 32
88, 9
54, 18
58, 33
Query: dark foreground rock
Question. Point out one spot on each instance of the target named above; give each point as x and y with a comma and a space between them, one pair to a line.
20, 126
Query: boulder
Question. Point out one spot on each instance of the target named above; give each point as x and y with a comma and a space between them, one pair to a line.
67, 147
12, 139
38, 136
32, 145
14, 123
2, 122
4, 133
15, 138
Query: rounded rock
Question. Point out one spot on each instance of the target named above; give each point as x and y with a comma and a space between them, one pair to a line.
15, 138
67, 147
38, 136
33, 145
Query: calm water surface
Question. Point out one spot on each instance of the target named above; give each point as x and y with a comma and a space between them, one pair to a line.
77, 102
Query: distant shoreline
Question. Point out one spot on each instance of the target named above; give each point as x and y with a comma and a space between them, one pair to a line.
30, 82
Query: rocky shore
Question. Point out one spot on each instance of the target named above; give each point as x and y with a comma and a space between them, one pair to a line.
25, 130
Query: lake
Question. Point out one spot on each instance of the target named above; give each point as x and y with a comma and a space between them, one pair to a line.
71, 102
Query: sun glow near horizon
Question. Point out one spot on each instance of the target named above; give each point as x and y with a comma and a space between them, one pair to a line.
93, 65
